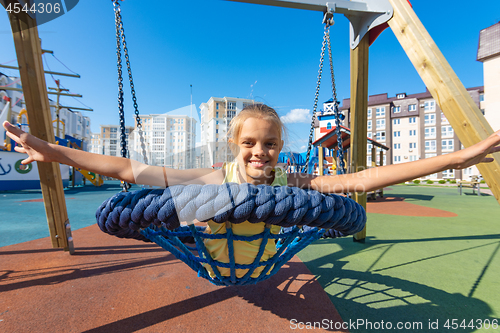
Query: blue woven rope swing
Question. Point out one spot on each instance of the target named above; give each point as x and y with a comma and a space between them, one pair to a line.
156, 215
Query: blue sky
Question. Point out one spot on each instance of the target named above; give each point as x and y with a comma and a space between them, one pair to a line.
233, 49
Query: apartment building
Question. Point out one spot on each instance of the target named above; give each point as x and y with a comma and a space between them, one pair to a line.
414, 127
168, 139
95, 145
216, 114
107, 142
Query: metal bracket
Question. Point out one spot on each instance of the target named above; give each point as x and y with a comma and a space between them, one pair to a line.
69, 238
363, 15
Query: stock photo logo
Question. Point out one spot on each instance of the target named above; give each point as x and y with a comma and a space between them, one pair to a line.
42, 10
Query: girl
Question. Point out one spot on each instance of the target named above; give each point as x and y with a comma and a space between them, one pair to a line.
255, 136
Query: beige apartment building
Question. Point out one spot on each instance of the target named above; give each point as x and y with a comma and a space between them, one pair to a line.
216, 114
413, 127
169, 138
107, 141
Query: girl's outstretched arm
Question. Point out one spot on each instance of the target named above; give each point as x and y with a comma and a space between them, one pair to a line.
375, 178
117, 167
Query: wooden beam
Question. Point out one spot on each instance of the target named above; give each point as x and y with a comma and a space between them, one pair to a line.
320, 160
28, 50
359, 116
374, 156
444, 85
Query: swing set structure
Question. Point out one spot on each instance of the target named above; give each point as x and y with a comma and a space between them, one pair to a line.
367, 19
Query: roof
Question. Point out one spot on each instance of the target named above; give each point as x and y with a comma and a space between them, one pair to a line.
384, 99
329, 140
489, 42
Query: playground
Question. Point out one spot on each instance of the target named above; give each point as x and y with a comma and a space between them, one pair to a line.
427, 260
400, 274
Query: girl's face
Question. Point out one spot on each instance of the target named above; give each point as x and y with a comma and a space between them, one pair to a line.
259, 148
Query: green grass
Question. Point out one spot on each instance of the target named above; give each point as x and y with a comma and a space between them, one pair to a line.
417, 269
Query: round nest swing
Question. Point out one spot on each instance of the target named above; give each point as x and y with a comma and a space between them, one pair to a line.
156, 215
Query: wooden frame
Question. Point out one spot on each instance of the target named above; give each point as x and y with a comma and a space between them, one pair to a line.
29, 55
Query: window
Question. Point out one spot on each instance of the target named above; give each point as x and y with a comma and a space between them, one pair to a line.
413, 120
231, 114
450, 173
429, 106
216, 114
412, 107
397, 134
397, 158
369, 125
380, 112
430, 145
380, 136
112, 135
430, 132
402, 95
329, 126
380, 123
447, 145
231, 105
481, 97
430, 155
113, 130
413, 145
430, 119
413, 158
447, 131
413, 132
396, 109
397, 146
369, 113
216, 106
397, 121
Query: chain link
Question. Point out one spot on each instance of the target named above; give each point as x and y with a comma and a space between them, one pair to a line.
120, 40
316, 96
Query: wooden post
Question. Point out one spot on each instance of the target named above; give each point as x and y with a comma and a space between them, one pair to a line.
374, 156
359, 116
28, 50
320, 160
444, 85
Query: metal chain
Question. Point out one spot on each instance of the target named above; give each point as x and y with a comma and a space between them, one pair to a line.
120, 39
340, 150
123, 143
316, 96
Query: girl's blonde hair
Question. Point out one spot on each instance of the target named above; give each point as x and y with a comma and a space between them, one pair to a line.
260, 111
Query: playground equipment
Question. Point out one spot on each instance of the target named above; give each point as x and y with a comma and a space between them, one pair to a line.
366, 17
157, 217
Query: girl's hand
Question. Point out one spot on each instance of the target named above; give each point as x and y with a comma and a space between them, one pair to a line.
37, 150
476, 153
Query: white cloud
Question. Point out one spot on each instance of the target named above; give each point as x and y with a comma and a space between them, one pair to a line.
297, 116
